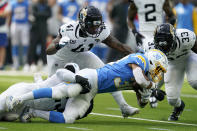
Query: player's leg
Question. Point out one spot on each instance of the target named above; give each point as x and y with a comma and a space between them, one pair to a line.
15, 45
24, 36
54, 63
75, 107
191, 70
173, 84
59, 91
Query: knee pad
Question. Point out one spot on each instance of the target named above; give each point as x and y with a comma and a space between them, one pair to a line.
193, 84
175, 102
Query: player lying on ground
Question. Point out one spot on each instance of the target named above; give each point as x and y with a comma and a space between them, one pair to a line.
46, 104
22, 88
120, 75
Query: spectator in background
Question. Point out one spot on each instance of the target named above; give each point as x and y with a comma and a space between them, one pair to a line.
68, 10
118, 17
4, 8
41, 12
53, 23
186, 15
19, 31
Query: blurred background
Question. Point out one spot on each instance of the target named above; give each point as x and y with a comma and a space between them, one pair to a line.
27, 27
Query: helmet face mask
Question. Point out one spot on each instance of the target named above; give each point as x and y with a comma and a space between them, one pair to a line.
157, 73
90, 20
158, 64
165, 38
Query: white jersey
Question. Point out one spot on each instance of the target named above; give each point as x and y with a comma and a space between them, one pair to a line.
150, 14
185, 40
78, 44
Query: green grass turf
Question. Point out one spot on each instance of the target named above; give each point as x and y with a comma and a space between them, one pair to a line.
105, 104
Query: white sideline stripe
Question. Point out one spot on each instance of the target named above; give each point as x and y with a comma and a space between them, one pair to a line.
113, 109
159, 129
142, 119
20, 73
3, 128
189, 96
78, 128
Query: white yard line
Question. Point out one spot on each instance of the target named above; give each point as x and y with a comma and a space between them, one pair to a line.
142, 119
161, 129
20, 73
3, 128
113, 109
77, 128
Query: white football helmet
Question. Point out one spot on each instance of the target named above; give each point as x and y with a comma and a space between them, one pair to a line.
73, 67
158, 64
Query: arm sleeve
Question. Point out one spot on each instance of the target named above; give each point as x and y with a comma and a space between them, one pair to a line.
139, 77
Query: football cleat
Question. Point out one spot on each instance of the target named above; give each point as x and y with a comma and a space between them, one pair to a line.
11, 103
177, 112
127, 110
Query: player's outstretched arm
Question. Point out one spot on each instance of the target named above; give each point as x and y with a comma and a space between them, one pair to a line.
143, 86
168, 10
141, 78
132, 12
116, 44
52, 48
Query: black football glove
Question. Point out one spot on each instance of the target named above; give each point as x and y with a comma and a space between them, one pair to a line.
159, 94
172, 20
138, 37
86, 87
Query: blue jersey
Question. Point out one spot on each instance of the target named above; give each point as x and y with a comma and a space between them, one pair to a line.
184, 16
20, 12
70, 9
118, 75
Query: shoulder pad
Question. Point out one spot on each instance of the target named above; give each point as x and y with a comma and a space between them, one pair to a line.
105, 32
68, 29
186, 37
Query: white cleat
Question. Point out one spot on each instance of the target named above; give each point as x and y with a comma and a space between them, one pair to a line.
11, 103
128, 110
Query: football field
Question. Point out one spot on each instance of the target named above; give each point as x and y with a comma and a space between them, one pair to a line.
106, 115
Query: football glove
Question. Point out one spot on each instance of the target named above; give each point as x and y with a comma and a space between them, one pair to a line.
138, 37
86, 87
63, 41
145, 94
159, 94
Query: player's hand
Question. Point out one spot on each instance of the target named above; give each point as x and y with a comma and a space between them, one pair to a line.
138, 37
159, 94
172, 20
145, 94
63, 41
